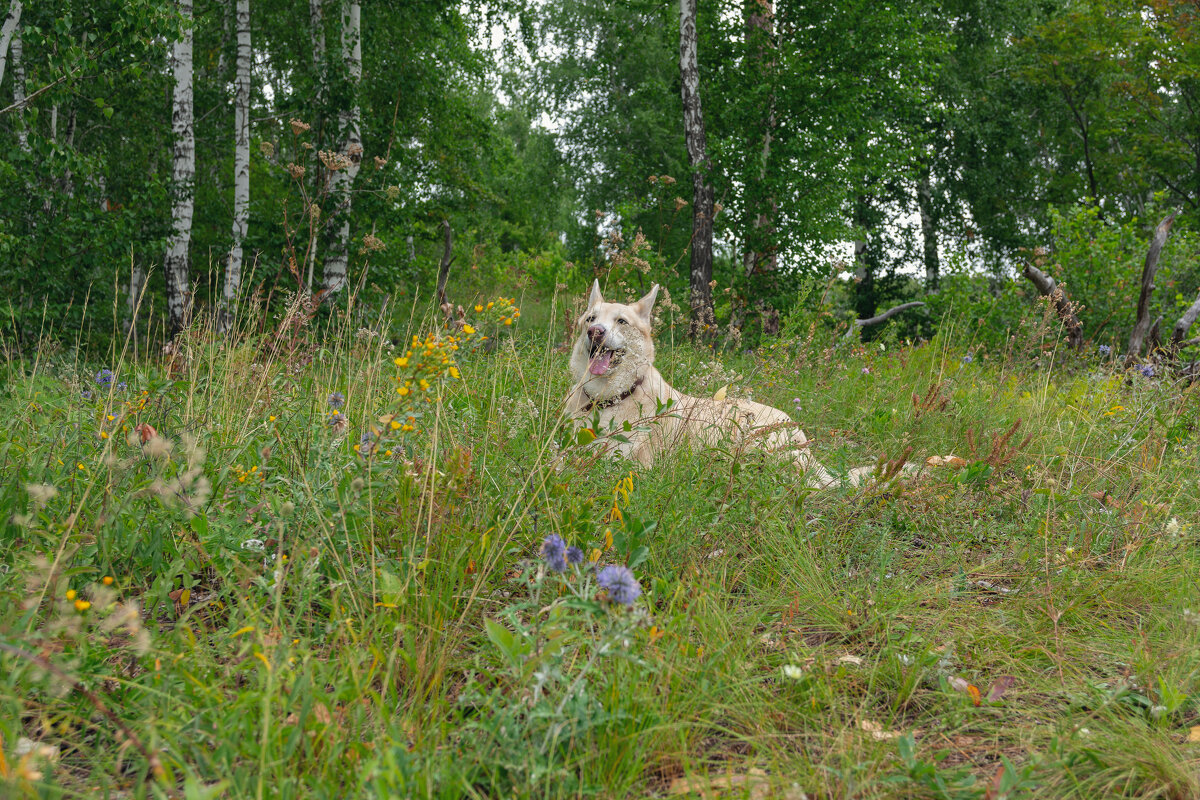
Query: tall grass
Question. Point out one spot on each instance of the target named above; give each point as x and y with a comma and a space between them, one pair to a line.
252, 597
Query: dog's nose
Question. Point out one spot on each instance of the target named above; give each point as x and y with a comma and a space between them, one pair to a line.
596, 332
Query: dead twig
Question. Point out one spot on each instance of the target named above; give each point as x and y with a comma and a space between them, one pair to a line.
156, 767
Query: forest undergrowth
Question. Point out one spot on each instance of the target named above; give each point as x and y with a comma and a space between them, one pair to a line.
345, 561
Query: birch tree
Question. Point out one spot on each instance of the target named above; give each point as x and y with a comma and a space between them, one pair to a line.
700, 294
316, 16
175, 264
344, 164
241, 165
7, 30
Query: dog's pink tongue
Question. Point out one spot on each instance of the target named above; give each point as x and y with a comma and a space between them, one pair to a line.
600, 363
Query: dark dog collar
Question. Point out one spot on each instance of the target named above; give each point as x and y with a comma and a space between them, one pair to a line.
612, 401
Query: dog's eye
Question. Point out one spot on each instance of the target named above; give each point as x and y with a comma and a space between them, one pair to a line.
621, 321
592, 318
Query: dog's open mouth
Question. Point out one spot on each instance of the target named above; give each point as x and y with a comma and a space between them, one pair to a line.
602, 359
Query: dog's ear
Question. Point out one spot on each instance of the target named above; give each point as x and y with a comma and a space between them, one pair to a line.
645, 306
596, 298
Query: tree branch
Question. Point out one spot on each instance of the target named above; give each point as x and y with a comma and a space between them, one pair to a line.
1066, 310
1183, 326
156, 767
884, 317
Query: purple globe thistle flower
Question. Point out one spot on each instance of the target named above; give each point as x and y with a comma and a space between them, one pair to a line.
121, 386
104, 378
337, 420
866, 370
574, 555
337, 400
554, 550
620, 584
86, 394
968, 358
366, 443
1105, 350
1147, 370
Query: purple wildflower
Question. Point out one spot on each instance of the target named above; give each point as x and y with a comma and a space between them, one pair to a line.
1147, 370
618, 580
574, 555
104, 378
554, 550
337, 419
337, 400
866, 370
86, 394
968, 358
1105, 350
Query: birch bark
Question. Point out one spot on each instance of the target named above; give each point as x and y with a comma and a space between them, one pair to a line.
175, 264
337, 260
700, 294
8, 29
316, 32
241, 166
18, 66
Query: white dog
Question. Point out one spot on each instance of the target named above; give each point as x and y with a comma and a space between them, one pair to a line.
613, 367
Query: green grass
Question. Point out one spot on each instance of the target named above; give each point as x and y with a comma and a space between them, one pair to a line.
412, 643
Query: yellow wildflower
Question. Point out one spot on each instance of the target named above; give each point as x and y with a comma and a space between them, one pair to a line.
478, 309
468, 329
71, 594
82, 605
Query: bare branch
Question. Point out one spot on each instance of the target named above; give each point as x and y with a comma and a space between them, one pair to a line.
156, 767
1141, 328
1065, 308
1183, 326
884, 317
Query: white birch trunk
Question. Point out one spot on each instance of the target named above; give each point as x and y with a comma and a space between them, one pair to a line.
241, 166
337, 260
316, 32
18, 66
175, 264
700, 290
8, 29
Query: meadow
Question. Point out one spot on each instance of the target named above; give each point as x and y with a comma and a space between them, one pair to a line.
321, 561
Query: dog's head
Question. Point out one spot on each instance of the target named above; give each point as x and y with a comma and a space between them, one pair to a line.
614, 347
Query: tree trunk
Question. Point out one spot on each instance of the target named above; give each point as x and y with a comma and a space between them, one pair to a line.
175, 264
337, 260
19, 91
761, 253
1141, 327
227, 14
316, 32
928, 232
866, 262
8, 29
700, 295
1065, 308
241, 166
